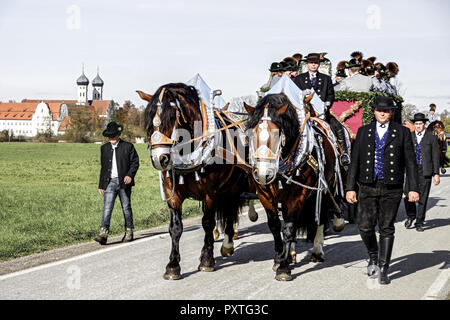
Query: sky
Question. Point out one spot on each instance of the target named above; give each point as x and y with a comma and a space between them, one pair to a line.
141, 45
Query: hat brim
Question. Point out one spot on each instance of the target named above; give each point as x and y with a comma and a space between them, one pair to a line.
423, 120
112, 133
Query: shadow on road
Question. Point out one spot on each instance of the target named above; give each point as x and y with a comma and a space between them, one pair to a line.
406, 265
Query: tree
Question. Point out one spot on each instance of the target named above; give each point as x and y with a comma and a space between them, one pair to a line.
80, 122
408, 111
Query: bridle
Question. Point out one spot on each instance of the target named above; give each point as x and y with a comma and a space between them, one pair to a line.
263, 155
160, 143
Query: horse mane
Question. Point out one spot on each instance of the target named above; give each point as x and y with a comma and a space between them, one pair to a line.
287, 122
168, 115
432, 124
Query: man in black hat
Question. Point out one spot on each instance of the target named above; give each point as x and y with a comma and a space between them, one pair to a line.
119, 164
323, 87
355, 82
427, 158
382, 151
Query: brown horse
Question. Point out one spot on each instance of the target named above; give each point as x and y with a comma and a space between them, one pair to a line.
275, 134
438, 129
172, 114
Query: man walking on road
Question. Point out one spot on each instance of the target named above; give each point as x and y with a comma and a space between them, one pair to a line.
427, 158
119, 164
382, 151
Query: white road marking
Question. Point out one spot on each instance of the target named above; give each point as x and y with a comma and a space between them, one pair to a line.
436, 289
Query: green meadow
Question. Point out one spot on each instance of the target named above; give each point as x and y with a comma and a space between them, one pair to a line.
49, 197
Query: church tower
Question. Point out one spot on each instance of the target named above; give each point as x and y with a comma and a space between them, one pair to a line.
82, 83
97, 92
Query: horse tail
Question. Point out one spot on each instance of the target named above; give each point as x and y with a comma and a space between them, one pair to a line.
228, 208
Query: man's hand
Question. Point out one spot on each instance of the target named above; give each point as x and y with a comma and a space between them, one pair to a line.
127, 180
101, 191
436, 179
413, 196
350, 196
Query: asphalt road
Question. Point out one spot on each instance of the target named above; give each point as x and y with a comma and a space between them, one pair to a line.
419, 268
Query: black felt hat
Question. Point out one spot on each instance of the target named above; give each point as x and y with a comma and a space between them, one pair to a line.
112, 129
341, 73
432, 107
313, 58
289, 66
275, 67
383, 103
419, 117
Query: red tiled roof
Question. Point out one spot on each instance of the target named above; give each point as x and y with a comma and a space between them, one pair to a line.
100, 106
17, 111
65, 124
50, 101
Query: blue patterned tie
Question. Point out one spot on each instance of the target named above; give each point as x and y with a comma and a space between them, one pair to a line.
313, 81
419, 155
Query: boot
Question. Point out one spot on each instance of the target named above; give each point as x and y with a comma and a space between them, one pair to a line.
128, 236
384, 258
370, 241
340, 136
102, 237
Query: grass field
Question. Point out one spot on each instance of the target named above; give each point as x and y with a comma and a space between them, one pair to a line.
49, 197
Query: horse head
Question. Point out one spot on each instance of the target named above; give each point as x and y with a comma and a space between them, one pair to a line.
273, 129
438, 129
170, 115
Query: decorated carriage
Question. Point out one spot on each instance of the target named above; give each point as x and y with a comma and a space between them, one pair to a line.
353, 109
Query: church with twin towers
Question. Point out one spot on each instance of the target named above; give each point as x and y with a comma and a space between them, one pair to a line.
83, 88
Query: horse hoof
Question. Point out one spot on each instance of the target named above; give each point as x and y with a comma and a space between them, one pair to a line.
283, 276
317, 257
293, 257
206, 268
235, 236
443, 171
216, 234
226, 252
275, 267
338, 225
172, 274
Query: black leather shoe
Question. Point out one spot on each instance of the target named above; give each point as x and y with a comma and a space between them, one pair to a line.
420, 228
408, 223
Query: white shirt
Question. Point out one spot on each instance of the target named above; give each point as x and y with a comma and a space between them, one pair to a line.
381, 131
419, 137
312, 75
114, 173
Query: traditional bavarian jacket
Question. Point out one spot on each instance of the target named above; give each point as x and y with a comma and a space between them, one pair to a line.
397, 154
427, 153
355, 83
323, 86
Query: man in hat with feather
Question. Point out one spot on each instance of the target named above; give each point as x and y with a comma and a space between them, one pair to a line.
355, 82
119, 164
323, 87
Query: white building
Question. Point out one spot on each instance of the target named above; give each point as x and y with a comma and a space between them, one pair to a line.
31, 117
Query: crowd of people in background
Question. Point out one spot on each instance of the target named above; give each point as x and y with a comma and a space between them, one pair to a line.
357, 74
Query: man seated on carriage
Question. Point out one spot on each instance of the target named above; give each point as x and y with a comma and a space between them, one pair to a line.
323, 87
340, 72
276, 72
356, 81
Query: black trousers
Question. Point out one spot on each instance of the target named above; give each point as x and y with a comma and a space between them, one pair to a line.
424, 191
378, 203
